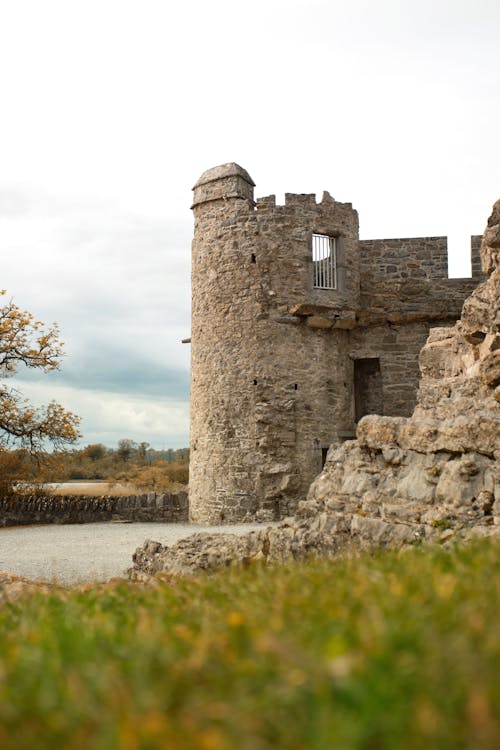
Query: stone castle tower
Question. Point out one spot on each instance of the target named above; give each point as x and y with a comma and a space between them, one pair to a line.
298, 330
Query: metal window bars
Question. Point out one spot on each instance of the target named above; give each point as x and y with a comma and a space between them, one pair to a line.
324, 252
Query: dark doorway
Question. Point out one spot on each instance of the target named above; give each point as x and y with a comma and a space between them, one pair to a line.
368, 394
324, 454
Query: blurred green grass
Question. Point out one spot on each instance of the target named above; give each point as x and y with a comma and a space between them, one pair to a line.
380, 652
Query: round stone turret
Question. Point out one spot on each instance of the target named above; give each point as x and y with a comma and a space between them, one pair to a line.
268, 374
223, 183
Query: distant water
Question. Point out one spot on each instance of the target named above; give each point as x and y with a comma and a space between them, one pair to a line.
87, 552
84, 484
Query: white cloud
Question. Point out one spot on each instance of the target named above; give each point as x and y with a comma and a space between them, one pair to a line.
111, 109
118, 285
107, 417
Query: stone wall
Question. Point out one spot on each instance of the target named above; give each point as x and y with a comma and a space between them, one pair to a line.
405, 280
25, 510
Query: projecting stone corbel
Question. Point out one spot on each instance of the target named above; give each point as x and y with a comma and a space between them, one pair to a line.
325, 316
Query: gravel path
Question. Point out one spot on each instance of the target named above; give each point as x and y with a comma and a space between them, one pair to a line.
86, 552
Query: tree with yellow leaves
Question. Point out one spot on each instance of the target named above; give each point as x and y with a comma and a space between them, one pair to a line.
26, 341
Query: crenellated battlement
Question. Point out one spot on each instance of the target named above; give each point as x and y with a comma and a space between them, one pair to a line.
301, 200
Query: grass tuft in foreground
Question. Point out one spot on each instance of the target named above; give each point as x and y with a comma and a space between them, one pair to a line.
379, 653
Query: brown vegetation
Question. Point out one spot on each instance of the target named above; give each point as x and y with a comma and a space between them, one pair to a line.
25, 429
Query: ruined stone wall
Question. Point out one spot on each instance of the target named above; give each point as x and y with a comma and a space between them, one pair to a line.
389, 260
404, 280
411, 258
404, 290
396, 347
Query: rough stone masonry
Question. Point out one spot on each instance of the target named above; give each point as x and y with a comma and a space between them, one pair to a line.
433, 476
299, 329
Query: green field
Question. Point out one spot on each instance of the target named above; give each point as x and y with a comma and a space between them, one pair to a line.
391, 651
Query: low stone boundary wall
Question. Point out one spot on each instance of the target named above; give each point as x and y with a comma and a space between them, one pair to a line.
165, 507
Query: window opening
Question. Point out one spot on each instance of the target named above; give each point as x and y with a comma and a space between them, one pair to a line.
324, 256
324, 454
254, 259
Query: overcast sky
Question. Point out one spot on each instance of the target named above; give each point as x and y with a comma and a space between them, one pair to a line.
111, 109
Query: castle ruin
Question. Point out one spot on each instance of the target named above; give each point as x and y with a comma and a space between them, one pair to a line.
298, 330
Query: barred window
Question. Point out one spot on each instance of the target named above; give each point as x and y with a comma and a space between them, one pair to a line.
324, 256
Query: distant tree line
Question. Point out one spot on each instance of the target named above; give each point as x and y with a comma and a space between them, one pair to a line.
128, 462
137, 464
